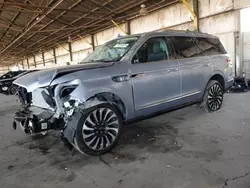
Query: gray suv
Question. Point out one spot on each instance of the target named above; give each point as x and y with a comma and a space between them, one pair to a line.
126, 79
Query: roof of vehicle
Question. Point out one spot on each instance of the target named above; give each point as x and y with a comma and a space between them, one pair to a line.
174, 33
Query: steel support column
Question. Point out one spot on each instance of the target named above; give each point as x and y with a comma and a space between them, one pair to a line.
70, 52
127, 27
93, 41
34, 60
43, 59
54, 54
28, 63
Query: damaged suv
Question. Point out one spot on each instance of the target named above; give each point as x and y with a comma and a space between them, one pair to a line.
125, 79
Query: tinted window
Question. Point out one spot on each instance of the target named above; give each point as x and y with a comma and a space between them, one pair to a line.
186, 47
211, 46
15, 73
155, 49
8, 75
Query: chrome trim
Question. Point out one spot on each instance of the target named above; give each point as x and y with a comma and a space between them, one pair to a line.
158, 103
190, 94
167, 100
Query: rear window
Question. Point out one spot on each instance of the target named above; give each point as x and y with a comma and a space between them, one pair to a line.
211, 46
186, 47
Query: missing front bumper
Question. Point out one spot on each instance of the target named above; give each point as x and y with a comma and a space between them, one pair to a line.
34, 120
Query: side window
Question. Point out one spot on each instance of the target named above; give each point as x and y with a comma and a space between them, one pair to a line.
155, 49
186, 47
15, 73
211, 46
9, 75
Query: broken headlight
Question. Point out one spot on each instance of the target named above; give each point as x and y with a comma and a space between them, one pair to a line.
65, 96
65, 91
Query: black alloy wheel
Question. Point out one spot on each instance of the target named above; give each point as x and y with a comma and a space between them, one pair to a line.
213, 96
99, 130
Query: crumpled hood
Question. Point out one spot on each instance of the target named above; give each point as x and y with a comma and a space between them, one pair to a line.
44, 78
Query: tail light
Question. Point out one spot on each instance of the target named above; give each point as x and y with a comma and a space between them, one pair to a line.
229, 62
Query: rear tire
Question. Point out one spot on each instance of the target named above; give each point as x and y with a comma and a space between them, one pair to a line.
98, 130
213, 96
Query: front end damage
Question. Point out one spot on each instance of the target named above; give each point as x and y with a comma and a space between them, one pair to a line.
34, 120
52, 108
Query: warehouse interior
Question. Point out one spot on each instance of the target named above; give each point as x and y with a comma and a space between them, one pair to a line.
184, 148
45, 34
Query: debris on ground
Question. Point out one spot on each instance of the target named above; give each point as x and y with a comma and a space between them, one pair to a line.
10, 167
151, 139
241, 84
237, 136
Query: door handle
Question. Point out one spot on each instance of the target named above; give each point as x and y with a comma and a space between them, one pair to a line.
121, 78
172, 70
138, 75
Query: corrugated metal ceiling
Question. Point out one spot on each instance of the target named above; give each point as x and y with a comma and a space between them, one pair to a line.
30, 26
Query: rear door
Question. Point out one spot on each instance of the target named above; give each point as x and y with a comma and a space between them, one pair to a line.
155, 77
195, 67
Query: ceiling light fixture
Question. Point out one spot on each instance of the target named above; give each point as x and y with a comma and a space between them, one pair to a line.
143, 11
70, 40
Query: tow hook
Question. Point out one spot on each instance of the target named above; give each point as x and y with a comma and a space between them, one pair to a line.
28, 126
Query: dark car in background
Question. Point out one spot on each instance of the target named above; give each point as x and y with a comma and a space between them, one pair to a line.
7, 79
11, 74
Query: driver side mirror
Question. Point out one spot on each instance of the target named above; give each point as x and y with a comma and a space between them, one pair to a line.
136, 60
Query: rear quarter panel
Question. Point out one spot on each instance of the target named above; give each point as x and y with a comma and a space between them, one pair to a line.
221, 66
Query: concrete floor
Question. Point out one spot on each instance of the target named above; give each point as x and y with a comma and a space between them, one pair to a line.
185, 148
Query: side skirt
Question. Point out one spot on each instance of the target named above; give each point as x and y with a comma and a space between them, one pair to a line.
134, 120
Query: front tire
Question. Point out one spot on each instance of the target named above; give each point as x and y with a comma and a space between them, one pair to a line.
12, 90
213, 96
98, 130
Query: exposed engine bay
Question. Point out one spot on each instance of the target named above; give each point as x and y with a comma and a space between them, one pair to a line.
55, 99
52, 108
73, 101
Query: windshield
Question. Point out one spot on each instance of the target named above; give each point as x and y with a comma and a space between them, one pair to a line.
21, 74
111, 51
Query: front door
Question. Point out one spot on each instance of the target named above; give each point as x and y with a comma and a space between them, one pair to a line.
155, 77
